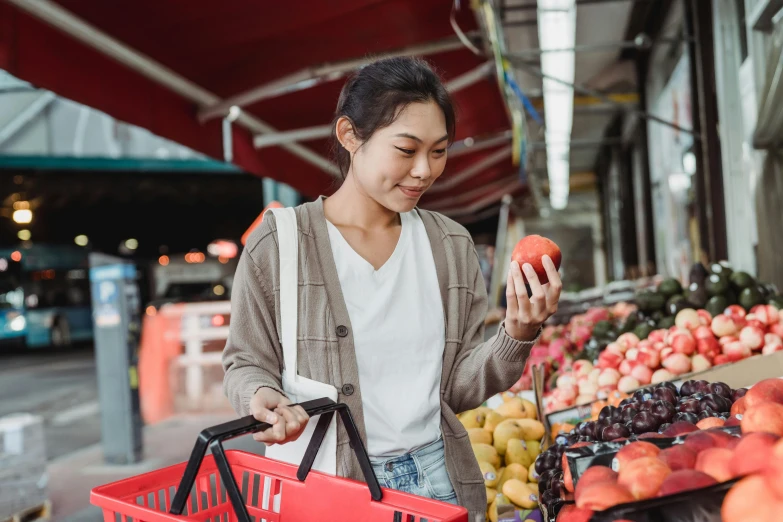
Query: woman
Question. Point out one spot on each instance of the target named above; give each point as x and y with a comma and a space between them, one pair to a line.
391, 299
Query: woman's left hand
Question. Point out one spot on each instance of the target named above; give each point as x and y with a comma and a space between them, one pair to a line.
525, 315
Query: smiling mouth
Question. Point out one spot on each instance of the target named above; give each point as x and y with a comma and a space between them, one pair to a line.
411, 192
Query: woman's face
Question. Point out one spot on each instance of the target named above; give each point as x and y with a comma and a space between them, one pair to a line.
400, 162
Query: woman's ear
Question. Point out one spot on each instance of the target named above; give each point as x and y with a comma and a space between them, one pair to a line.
346, 135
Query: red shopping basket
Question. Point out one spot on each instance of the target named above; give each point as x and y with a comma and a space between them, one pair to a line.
236, 486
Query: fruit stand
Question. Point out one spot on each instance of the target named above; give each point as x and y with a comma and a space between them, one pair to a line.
669, 407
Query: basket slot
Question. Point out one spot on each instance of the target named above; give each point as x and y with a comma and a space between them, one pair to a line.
245, 488
214, 490
253, 501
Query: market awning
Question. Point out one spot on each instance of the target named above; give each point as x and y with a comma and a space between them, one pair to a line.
179, 70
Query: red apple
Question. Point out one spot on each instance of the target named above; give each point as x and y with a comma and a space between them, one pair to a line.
705, 318
752, 337
767, 314
735, 312
723, 325
531, 249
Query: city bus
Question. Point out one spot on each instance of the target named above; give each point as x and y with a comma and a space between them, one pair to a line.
45, 296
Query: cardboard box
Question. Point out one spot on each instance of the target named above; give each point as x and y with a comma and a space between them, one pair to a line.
741, 374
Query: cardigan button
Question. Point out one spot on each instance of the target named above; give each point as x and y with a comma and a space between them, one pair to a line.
347, 389
342, 331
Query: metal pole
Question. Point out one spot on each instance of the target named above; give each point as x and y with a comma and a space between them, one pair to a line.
534, 7
25, 116
311, 76
67, 22
499, 265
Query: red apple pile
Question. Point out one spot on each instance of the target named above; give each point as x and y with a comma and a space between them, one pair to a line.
695, 343
558, 345
641, 470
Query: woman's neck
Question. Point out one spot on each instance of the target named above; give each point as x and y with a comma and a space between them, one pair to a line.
350, 206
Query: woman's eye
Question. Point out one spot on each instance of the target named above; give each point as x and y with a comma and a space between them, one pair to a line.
440, 151
406, 151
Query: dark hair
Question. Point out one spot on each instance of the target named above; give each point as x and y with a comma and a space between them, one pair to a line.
374, 97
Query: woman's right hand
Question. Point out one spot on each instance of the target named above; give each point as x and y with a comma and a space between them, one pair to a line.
288, 422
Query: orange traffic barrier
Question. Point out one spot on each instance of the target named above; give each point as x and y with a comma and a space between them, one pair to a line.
259, 220
160, 344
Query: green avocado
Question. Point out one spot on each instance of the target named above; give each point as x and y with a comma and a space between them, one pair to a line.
673, 308
643, 330
742, 280
716, 305
666, 322
750, 297
670, 287
601, 327
717, 284
721, 268
776, 301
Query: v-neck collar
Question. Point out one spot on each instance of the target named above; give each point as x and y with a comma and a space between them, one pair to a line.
317, 228
399, 249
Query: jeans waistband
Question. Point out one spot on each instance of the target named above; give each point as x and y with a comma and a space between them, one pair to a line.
428, 449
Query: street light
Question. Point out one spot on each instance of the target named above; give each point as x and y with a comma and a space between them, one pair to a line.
81, 240
24, 235
23, 216
131, 244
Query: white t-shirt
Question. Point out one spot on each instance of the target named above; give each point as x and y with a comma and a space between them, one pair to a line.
399, 335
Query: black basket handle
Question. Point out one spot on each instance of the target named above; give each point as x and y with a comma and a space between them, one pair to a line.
214, 437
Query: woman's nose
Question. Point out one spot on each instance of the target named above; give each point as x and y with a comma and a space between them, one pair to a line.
421, 168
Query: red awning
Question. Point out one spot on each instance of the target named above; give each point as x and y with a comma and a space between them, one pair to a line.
162, 65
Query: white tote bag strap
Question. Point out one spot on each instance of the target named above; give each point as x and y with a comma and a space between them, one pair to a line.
288, 246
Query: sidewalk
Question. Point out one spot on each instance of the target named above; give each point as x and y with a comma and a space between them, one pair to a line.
73, 476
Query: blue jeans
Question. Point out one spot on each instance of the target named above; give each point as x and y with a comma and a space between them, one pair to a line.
421, 472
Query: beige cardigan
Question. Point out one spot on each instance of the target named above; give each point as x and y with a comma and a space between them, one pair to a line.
473, 370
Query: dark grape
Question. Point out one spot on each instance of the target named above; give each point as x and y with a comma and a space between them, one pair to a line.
644, 422
616, 431
647, 405
663, 411
663, 427
629, 413
606, 413
687, 417
642, 395
670, 386
665, 394
556, 484
687, 388
546, 477
706, 413
715, 402
738, 394
722, 389
688, 406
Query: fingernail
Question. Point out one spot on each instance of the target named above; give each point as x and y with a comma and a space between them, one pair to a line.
546, 258
271, 418
528, 267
